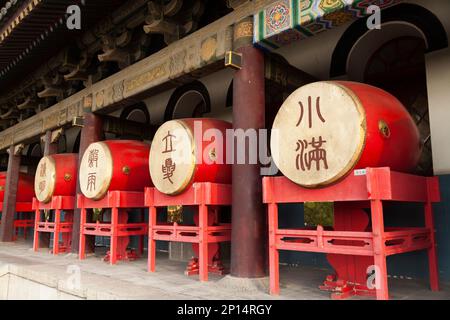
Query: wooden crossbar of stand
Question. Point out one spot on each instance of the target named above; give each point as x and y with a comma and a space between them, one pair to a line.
25, 208
57, 227
119, 230
202, 196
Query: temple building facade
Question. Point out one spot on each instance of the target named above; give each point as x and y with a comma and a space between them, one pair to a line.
77, 73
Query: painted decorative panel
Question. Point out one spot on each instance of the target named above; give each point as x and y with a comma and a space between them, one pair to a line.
287, 21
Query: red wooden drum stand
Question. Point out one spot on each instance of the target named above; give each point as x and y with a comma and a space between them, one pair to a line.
24, 198
205, 236
57, 227
119, 230
22, 222
352, 248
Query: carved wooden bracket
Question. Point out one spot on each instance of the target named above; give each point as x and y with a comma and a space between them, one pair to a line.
17, 149
10, 114
29, 103
114, 51
52, 86
173, 20
235, 3
56, 134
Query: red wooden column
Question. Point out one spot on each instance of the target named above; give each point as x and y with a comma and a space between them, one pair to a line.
92, 131
9, 202
249, 236
432, 251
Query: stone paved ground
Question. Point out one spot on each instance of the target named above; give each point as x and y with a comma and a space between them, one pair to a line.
129, 280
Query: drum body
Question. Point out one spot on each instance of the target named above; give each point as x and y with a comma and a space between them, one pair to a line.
25, 188
324, 130
56, 175
189, 150
114, 165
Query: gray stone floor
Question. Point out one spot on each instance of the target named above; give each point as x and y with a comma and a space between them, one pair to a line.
129, 280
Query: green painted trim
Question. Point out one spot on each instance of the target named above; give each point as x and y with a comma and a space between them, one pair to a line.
295, 13
261, 34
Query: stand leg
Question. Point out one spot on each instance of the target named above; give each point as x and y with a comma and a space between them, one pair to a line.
56, 232
274, 266
432, 254
141, 238
114, 222
151, 241
203, 245
82, 248
36, 233
379, 249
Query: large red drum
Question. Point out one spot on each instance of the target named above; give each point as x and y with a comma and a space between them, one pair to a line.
25, 188
56, 175
189, 150
324, 130
114, 165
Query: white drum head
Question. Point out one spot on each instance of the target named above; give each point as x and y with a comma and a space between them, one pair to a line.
45, 179
96, 170
172, 157
318, 134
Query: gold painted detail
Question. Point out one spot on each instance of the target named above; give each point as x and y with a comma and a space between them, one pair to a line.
243, 29
175, 214
67, 177
99, 99
46, 215
2, 188
145, 78
87, 102
56, 135
384, 129
212, 154
208, 49
233, 60
126, 170
319, 213
96, 214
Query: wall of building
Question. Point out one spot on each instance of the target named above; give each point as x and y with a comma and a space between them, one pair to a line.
438, 80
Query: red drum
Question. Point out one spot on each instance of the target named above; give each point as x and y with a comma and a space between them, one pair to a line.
56, 175
187, 151
114, 165
324, 130
25, 190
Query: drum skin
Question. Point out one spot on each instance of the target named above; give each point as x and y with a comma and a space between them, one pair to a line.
25, 188
123, 164
324, 130
56, 175
402, 150
206, 161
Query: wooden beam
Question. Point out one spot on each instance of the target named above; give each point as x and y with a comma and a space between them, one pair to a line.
9, 201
